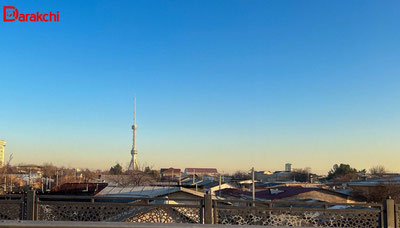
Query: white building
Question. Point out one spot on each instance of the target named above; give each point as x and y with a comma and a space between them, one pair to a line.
288, 167
2, 148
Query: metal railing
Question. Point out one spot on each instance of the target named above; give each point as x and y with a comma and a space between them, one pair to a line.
12, 207
397, 215
197, 211
110, 209
298, 214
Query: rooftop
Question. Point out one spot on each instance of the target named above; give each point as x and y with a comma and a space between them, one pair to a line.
271, 194
201, 170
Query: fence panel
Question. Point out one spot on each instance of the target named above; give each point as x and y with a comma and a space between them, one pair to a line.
310, 215
118, 212
161, 210
11, 207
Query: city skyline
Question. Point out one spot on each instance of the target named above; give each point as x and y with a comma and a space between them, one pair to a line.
224, 85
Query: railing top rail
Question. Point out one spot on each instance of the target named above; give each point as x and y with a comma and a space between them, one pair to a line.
63, 197
11, 201
73, 224
361, 210
116, 204
11, 195
300, 203
12, 198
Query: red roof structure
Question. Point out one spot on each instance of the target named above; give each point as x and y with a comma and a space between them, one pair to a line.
201, 171
78, 189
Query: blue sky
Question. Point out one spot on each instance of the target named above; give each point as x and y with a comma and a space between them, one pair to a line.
226, 84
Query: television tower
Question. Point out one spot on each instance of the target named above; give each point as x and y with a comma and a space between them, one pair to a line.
133, 165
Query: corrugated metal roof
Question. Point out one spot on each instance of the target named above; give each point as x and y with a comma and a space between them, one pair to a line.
200, 182
282, 192
375, 181
145, 191
138, 191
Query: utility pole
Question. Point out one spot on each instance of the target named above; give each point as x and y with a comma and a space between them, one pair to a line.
253, 185
219, 192
57, 177
30, 176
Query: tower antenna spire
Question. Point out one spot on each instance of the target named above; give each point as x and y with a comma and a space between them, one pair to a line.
134, 110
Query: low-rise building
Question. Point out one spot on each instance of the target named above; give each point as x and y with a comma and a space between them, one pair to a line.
170, 173
290, 194
273, 177
201, 171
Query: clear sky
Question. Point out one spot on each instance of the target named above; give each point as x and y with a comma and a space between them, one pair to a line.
226, 84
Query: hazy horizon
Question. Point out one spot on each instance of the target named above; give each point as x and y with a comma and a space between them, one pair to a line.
221, 84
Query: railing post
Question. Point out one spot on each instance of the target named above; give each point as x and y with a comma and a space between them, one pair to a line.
207, 209
215, 215
389, 213
30, 205
202, 211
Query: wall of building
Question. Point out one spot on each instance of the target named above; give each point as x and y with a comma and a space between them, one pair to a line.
281, 176
184, 195
322, 196
2, 151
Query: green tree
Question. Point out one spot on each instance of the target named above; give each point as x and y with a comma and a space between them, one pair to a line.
153, 173
116, 169
342, 172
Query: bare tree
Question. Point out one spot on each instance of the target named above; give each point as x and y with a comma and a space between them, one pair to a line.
66, 175
378, 170
7, 168
88, 176
15, 181
379, 192
49, 170
4, 173
141, 176
301, 175
240, 175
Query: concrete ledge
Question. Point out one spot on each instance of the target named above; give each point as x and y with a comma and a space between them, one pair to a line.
36, 224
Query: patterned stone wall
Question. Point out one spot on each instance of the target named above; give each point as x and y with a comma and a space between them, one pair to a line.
368, 218
78, 211
10, 211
